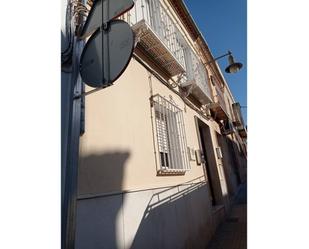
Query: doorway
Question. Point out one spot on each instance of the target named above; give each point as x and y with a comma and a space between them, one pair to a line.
209, 162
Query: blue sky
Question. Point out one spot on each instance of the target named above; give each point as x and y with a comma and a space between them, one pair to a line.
223, 24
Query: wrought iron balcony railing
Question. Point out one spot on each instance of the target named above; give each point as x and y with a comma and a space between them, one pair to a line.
158, 34
197, 78
161, 38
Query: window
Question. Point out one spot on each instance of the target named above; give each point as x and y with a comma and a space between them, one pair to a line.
170, 134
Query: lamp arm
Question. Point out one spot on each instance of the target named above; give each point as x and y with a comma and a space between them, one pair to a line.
217, 58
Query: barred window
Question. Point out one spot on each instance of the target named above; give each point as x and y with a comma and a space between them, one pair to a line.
170, 134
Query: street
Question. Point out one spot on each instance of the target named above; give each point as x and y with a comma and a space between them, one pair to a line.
232, 233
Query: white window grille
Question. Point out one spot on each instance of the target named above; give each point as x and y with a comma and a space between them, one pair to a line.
170, 134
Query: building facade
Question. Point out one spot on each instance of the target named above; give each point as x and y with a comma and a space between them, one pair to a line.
163, 150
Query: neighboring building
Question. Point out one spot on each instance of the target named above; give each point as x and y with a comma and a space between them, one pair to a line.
164, 149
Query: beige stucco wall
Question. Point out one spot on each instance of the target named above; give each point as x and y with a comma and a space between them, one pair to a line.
117, 151
118, 122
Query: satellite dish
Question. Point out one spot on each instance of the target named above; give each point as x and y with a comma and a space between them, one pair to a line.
107, 54
103, 11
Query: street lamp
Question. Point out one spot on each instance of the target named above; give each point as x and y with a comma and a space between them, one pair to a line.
233, 66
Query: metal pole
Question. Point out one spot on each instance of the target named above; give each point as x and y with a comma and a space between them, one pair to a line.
70, 165
217, 58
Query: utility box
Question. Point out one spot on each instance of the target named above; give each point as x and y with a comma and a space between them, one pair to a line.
191, 154
198, 155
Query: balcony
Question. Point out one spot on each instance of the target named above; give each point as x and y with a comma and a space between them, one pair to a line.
196, 79
242, 131
238, 120
158, 35
218, 108
227, 127
161, 40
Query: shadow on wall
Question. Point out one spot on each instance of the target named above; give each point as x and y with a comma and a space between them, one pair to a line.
175, 217
97, 216
102, 173
178, 217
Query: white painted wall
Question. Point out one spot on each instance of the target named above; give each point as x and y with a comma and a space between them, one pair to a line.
177, 217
